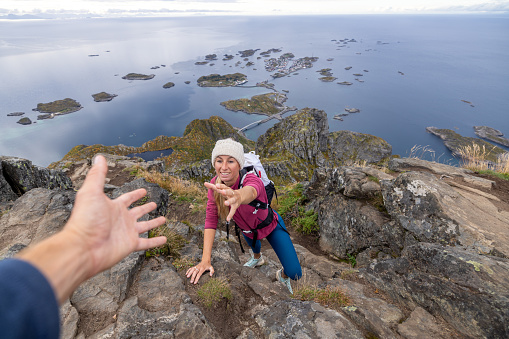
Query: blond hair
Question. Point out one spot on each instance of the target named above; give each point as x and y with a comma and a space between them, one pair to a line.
222, 210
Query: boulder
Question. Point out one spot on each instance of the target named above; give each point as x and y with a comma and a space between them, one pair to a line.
432, 211
469, 291
154, 194
34, 216
303, 135
23, 176
348, 147
297, 319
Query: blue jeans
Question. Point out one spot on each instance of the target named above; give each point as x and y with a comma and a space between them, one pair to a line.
280, 241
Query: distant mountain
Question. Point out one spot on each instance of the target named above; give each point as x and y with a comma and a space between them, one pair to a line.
16, 17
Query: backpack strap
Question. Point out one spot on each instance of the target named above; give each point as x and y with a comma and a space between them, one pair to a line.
257, 204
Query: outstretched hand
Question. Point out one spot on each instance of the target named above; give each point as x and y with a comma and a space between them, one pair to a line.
233, 198
108, 229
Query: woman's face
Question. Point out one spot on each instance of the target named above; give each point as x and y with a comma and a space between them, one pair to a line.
227, 169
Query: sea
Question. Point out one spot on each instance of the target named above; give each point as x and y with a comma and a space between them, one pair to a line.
447, 71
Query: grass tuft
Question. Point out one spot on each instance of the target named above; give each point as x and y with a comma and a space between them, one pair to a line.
213, 291
331, 297
174, 242
474, 157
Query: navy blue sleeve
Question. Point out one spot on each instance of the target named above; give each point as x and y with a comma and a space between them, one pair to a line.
28, 305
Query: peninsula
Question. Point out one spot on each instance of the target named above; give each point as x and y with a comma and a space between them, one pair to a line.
227, 80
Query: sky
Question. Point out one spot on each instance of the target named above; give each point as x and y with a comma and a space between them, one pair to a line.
112, 8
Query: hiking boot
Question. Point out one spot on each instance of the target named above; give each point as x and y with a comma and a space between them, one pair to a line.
255, 262
284, 281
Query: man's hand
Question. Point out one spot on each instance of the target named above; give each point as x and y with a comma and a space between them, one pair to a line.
108, 230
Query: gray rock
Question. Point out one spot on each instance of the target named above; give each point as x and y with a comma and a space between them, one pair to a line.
297, 319
36, 215
413, 164
6, 191
433, 211
421, 324
154, 194
348, 147
23, 176
469, 291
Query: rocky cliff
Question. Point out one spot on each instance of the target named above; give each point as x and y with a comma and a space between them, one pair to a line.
429, 242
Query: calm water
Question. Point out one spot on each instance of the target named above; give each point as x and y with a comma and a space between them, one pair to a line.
444, 59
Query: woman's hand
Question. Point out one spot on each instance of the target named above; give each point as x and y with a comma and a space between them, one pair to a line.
196, 272
233, 198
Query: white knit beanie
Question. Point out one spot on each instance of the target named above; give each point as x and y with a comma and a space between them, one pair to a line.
229, 147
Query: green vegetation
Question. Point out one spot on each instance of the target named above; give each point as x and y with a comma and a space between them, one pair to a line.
504, 176
173, 245
331, 297
290, 207
213, 291
352, 260
268, 103
66, 105
216, 80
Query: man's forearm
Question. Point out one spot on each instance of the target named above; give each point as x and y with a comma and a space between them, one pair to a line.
63, 260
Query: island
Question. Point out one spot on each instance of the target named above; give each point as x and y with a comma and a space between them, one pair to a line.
103, 97
201, 63
211, 57
352, 110
58, 107
284, 65
345, 83
248, 52
15, 114
326, 72
227, 57
24, 121
491, 134
268, 104
227, 80
272, 50
327, 79
168, 85
137, 76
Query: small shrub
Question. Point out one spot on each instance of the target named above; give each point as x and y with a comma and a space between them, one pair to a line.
352, 260
213, 291
346, 273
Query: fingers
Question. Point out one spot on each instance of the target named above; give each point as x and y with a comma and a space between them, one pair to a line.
139, 211
97, 174
128, 198
145, 226
197, 271
145, 244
